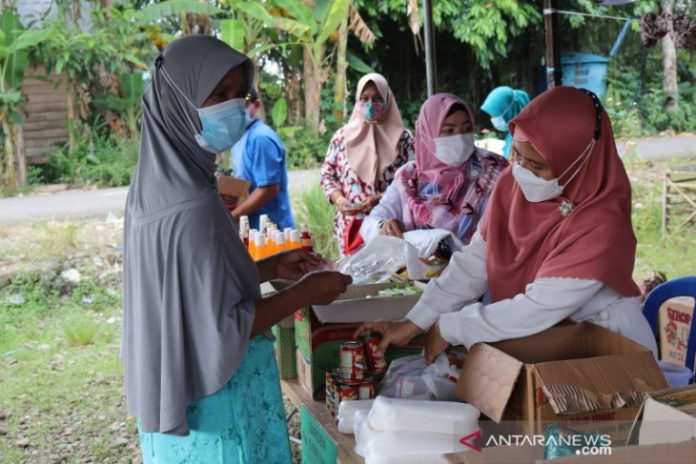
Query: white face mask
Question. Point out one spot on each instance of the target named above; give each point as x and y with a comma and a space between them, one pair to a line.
536, 189
454, 150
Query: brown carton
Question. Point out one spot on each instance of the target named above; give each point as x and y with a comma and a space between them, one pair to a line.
498, 455
233, 191
581, 375
676, 453
667, 416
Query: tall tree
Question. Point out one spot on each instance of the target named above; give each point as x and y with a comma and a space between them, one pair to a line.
669, 65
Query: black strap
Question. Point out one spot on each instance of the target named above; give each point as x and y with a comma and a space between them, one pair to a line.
598, 112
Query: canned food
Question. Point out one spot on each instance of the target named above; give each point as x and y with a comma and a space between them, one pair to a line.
330, 391
378, 364
352, 361
347, 392
368, 389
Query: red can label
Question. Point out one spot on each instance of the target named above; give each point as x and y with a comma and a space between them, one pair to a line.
377, 362
352, 361
347, 392
367, 390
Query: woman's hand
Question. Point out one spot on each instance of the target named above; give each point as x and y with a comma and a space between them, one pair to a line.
392, 228
293, 264
397, 333
371, 202
434, 344
347, 207
323, 287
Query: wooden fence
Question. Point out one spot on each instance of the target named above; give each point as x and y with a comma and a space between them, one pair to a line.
679, 199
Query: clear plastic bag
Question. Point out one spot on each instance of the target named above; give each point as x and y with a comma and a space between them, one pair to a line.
376, 262
404, 379
440, 378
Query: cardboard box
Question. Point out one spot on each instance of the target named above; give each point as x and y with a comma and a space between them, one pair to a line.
678, 453
667, 416
233, 191
284, 345
320, 330
581, 375
675, 316
498, 455
322, 343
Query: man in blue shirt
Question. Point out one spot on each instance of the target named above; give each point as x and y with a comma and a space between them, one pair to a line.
259, 157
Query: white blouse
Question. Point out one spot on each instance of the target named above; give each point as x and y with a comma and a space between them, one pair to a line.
453, 300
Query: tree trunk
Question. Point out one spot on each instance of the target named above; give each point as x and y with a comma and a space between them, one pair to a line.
21, 155
72, 127
312, 90
10, 179
339, 110
669, 66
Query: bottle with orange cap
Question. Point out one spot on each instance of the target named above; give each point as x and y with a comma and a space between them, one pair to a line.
295, 240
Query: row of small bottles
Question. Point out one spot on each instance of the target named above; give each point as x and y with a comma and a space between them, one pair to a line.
268, 240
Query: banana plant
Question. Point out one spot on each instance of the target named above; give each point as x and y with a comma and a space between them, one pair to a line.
15, 43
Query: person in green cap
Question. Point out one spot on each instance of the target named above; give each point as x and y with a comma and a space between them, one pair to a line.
503, 104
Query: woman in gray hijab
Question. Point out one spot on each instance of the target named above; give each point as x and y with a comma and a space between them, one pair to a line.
200, 373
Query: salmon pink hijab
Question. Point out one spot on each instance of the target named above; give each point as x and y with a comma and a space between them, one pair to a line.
371, 147
594, 239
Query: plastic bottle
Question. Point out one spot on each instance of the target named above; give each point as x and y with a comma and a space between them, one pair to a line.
286, 233
295, 240
280, 242
261, 248
306, 240
263, 223
252, 242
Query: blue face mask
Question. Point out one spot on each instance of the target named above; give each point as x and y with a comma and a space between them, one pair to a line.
222, 125
499, 123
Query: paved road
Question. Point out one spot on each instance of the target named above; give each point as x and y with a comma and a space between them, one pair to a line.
96, 203
99, 203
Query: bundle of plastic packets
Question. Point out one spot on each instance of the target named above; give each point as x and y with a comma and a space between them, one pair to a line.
404, 431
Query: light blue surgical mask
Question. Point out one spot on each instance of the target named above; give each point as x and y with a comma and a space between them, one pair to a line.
499, 123
222, 125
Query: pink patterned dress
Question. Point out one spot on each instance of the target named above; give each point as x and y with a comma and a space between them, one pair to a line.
337, 175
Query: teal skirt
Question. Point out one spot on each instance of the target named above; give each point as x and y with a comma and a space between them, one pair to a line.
242, 423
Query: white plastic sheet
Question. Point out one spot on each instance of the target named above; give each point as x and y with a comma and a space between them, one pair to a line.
404, 379
409, 447
439, 417
347, 411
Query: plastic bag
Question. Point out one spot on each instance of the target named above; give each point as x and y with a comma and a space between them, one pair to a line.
376, 262
361, 431
439, 417
440, 377
409, 447
347, 411
404, 379
426, 241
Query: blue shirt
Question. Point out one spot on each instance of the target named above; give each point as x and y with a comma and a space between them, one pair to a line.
259, 157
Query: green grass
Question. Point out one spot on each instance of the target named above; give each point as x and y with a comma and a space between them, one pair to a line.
317, 213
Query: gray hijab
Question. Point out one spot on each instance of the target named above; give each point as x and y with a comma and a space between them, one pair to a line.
189, 284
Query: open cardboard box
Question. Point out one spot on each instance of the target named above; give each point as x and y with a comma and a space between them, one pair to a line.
667, 416
675, 453
582, 376
233, 191
320, 330
360, 303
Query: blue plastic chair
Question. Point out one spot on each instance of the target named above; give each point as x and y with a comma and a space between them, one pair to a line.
684, 286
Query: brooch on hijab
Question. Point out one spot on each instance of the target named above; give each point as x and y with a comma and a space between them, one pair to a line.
566, 208
474, 172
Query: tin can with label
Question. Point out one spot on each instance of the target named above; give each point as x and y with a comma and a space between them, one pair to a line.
330, 391
368, 389
370, 340
347, 392
352, 361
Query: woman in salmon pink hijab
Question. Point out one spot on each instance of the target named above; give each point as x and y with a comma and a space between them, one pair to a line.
556, 242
